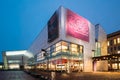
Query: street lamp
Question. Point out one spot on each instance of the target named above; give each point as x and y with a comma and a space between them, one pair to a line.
45, 54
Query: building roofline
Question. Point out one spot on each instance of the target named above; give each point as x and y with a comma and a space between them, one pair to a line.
113, 34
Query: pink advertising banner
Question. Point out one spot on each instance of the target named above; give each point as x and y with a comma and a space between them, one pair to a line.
77, 26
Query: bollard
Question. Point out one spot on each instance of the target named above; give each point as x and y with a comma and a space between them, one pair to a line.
53, 74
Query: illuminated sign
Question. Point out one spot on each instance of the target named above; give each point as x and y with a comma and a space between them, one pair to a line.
77, 26
40, 56
22, 52
53, 30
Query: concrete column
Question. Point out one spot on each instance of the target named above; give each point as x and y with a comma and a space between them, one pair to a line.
117, 63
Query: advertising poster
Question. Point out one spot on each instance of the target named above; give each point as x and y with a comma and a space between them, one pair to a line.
77, 26
53, 29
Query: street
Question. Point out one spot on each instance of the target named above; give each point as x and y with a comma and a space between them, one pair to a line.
21, 75
15, 75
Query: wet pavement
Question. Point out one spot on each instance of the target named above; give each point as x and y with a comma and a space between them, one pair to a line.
90, 76
21, 75
15, 75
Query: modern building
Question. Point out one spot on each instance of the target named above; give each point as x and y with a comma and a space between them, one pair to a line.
112, 58
114, 50
100, 49
68, 43
16, 59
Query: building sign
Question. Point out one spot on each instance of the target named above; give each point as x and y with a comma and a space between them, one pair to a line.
77, 26
53, 29
40, 56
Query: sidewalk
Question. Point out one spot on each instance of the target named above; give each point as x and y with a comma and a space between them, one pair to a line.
83, 76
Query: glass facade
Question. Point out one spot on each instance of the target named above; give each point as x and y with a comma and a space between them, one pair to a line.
63, 55
98, 49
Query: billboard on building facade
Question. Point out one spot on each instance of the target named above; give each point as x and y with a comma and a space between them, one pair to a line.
77, 26
53, 29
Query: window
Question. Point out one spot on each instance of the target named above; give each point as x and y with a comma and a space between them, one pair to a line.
48, 51
64, 46
98, 45
98, 49
111, 49
58, 44
52, 49
114, 66
58, 47
115, 41
114, 48
74, 49
118, 40
81, 49
108, 49
111, 42
118, 51
118, 47
108, 43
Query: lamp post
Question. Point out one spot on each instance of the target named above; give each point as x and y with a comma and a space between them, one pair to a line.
53, 74
46, 56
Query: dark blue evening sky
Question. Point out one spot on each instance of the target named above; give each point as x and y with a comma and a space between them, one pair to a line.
22, 20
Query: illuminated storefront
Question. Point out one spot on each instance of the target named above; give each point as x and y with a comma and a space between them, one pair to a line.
65, 44
112, 58
63, 55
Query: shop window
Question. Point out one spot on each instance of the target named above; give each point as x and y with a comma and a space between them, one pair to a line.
74, 49
81, 49
64, 46
52, 50
58, 47
114, 66
58, 44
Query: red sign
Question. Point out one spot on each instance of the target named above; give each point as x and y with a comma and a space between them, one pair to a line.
77, 26
59, 61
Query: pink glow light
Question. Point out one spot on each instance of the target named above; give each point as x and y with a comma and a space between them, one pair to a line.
77, 26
